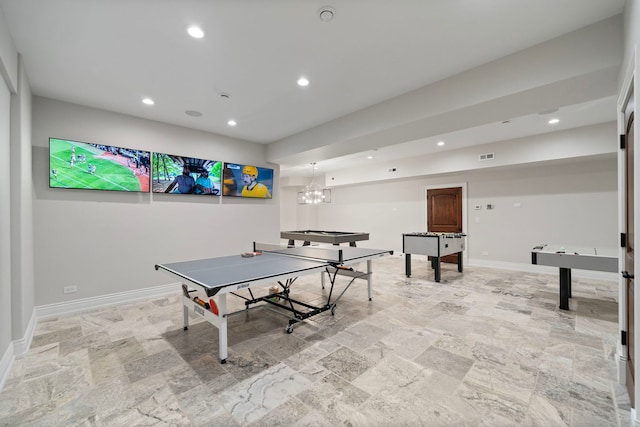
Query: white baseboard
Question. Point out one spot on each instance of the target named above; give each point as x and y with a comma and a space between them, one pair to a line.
5, 365
87, 304
543, 269
21, 346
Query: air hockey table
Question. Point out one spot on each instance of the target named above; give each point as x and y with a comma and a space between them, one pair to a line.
318, 236
570, 257
435, 245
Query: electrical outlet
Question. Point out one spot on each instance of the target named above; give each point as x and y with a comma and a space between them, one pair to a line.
70, 289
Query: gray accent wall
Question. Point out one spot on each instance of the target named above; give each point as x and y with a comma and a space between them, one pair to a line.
107, 242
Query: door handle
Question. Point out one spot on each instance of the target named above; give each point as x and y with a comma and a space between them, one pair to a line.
626, 275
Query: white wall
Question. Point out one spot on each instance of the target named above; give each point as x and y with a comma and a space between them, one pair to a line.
568, 203
5, 223
22, 286
8, 85
631, 34
108, 242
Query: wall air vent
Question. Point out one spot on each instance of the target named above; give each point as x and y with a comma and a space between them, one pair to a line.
488, 156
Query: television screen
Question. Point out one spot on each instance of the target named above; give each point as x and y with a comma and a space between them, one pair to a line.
74, 164
185, 175
247, 181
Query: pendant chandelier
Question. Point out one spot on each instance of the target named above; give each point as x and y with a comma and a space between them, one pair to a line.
313, 193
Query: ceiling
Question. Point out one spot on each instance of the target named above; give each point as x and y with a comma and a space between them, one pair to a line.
110, 54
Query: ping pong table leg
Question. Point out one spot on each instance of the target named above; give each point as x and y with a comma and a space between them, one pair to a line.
222, 329
369, 278
185, 315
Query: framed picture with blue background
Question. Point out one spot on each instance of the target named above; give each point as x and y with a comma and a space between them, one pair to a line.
185, 175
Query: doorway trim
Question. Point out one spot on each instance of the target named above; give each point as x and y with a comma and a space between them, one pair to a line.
626, 90
465, 253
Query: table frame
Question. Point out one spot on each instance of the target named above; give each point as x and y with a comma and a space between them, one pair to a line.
284, 280
317, 236
565, 259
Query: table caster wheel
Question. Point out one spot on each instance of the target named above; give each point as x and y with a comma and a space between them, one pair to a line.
186, 328
333, 310
223, 361
289, 329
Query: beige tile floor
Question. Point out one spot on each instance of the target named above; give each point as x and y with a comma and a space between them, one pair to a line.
482, 348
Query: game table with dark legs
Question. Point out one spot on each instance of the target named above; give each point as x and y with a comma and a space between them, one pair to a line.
578, 257
435, 245
318, 236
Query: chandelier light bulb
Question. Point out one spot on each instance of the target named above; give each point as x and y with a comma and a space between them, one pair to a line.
314, 193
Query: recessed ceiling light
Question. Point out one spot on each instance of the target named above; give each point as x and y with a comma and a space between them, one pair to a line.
232, 122
193, 113
554, 121
440, 143
369, 157
195, 32
148, 101
326, 13
303, 81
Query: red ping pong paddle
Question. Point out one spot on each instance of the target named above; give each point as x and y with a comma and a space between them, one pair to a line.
213, 306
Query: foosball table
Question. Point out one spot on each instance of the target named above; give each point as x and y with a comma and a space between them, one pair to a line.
435, 245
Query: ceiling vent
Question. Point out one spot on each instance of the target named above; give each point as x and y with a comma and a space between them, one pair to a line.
488, 156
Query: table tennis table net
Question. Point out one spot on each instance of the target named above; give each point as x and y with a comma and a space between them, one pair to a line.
312, 253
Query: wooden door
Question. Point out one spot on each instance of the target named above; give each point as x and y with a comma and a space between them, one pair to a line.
444, 213
629, 247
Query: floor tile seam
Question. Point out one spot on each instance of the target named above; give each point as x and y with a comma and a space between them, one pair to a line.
482, 410
574, 402
591, 413
496, 390
554, 403
310, 410
56, 332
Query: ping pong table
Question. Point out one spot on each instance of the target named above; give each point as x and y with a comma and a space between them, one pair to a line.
267, 264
